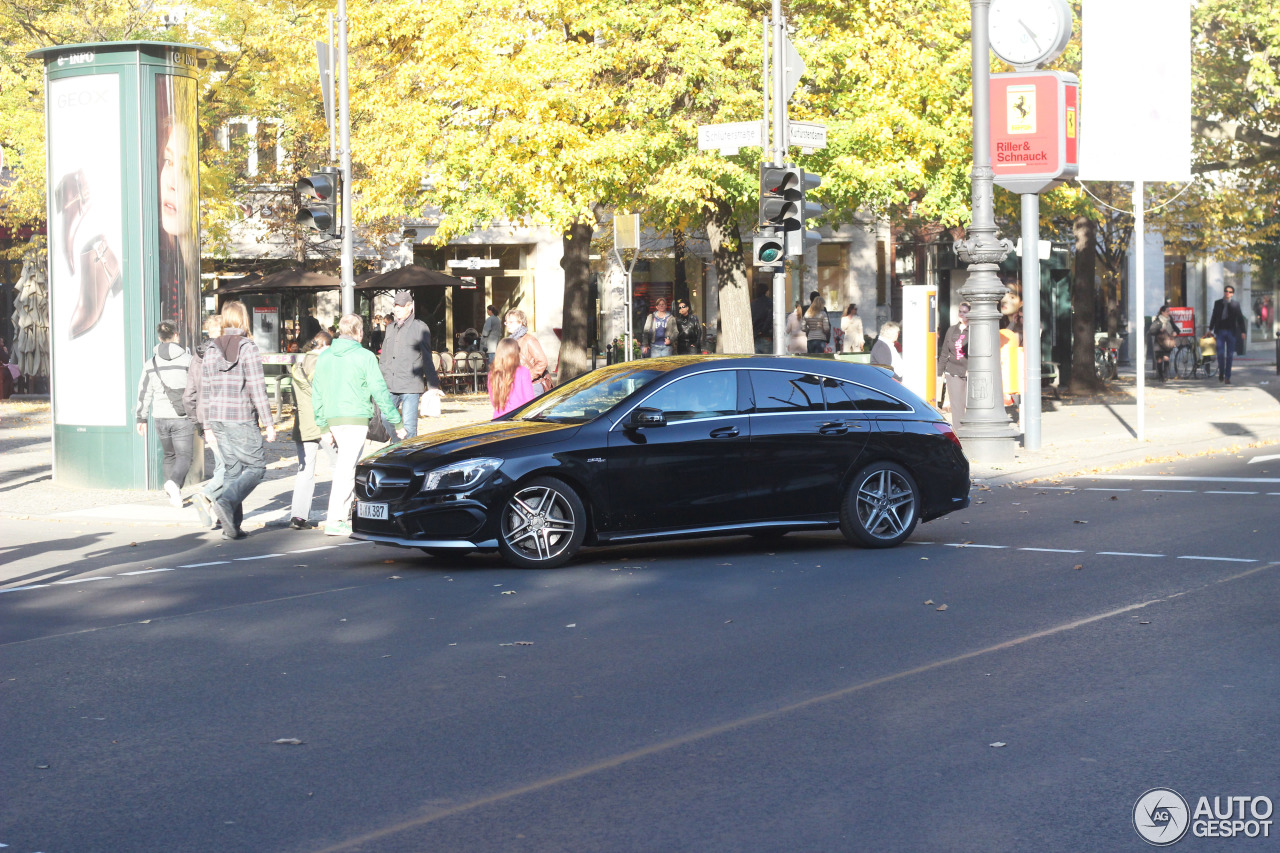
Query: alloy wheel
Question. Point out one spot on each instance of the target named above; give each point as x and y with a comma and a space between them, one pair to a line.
540, 525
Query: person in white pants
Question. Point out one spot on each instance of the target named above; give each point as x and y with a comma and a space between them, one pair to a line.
346, 386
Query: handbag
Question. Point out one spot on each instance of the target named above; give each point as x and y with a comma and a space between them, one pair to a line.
545, 381
379, 429
174, 395
1167, 341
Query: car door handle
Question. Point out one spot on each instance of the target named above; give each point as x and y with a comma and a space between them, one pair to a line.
725, 432
833, 429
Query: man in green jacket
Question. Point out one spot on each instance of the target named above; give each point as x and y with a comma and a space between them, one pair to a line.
346, 384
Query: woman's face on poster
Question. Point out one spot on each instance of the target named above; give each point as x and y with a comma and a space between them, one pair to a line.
175, 183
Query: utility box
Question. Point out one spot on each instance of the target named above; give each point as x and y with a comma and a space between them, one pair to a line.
920, 339
124, 243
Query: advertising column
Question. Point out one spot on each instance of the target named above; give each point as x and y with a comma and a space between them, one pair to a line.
124, 244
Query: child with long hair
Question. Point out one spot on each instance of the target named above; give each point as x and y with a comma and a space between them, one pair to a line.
510, 385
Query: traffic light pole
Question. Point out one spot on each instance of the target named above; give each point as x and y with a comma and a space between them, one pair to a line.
779, 158
344, 99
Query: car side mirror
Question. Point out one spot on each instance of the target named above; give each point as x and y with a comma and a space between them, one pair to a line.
646, 417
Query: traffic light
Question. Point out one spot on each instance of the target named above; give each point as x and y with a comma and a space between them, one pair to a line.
783, 204
797, 237
779, 191
768, 251
318, 194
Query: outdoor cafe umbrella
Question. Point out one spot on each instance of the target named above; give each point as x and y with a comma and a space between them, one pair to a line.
407, 278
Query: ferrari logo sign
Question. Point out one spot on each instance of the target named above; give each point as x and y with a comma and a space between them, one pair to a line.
1021, 109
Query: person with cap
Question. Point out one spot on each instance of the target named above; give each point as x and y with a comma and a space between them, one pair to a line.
406, 361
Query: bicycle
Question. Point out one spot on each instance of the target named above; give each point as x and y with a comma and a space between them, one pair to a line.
1183, 360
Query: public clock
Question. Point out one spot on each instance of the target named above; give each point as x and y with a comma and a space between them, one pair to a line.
1029, 33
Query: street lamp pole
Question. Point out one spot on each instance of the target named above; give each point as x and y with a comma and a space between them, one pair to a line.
984, 430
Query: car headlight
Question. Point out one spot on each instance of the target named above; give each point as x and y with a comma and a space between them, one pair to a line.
460, 475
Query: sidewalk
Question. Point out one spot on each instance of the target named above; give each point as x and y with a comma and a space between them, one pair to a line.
1078, 436
27, 489
1184, 417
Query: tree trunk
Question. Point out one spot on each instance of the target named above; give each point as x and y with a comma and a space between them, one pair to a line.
680, 283
733, 283
1084, 379
575, 353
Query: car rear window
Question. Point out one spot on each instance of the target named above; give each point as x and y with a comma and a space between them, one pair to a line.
844, 396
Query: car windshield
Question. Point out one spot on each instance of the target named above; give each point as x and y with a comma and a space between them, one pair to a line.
590, 396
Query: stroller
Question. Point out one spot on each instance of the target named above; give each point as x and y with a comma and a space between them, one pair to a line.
1208, 356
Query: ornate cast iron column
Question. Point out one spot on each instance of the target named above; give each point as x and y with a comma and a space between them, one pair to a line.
985, 430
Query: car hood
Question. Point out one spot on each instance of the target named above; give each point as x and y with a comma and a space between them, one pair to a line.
495, 437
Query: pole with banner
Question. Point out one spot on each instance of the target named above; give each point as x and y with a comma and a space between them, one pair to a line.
1131, 55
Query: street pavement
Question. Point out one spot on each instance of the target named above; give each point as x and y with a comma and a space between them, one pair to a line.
1013, 678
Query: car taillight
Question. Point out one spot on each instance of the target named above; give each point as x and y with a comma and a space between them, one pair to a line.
946, 430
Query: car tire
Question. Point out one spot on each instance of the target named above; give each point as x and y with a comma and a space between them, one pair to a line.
542, 525
881, 507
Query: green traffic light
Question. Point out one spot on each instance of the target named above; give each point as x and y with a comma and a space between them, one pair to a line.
770, 254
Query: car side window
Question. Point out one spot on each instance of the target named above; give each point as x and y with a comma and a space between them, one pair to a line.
704, 395
848, 397
781, 391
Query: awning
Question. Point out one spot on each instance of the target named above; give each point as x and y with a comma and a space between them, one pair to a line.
283, 282
407, 278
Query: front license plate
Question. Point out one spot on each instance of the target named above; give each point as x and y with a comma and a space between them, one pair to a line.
374, 511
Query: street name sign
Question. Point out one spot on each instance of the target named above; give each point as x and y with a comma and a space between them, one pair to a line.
728, 138
807, 135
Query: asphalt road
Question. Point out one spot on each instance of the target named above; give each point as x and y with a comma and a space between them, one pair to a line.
715, 695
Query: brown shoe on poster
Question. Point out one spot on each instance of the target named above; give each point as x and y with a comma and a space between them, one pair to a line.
72, 195
99, 278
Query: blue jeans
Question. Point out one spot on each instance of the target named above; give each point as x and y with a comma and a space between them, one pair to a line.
660, 351
246, 460
213, 488
1226, 351
408, 406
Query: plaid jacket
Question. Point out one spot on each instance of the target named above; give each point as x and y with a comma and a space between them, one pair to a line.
232, 385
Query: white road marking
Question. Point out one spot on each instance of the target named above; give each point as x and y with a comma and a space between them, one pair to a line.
202, 565
146, 571
1059, 488
1180, 479
971, 545
1174, 491
21, 588
1217, 559
86, 580
309, 550
1101, 489
1125, 554
1053, 550
1267, 458
259, 557
1223, 492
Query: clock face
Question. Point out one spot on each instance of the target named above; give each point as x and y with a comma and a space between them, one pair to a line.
1029, 32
